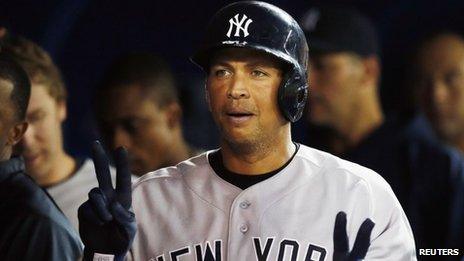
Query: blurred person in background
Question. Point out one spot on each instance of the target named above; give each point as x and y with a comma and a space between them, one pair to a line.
137, 107
344, 80
66, 179
31, 225
439, 85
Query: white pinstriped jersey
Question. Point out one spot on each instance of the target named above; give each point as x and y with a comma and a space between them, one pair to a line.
187, 212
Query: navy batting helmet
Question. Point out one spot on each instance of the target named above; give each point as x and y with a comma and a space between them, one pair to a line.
267, 28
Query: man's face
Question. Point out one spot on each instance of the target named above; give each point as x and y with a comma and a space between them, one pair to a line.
441, 85
334, 81
43, 139
242, 87
132, 119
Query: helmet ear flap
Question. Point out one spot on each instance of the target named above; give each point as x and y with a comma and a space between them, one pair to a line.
293, 94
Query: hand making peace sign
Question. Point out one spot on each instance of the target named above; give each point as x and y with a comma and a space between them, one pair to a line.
361, 243
106, 224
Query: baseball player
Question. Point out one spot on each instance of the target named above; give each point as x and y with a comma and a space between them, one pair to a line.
260, 196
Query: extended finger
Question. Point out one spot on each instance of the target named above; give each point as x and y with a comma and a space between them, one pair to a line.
362, 241
123, 178
340, 236
102, 169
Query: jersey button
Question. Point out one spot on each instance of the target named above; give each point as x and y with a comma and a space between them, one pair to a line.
245, 204
243, 228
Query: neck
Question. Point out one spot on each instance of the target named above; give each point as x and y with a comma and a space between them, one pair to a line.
179, 150
262, 158
5, 154
364, 119
63, 167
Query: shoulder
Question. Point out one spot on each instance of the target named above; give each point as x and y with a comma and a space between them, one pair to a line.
434, 161
196, 164
176, 184
27, 196
36, 209
344, 174
56, 227
423, 143
362, 193
336, 167
53, 238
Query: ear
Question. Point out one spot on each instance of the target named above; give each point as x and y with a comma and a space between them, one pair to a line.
3, 31
173, 114
62, 110
372, 68
16, 133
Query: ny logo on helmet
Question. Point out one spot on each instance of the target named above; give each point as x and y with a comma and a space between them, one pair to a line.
240, 25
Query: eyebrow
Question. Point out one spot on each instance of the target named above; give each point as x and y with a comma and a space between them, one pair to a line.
262, 63
248, 65
220, 63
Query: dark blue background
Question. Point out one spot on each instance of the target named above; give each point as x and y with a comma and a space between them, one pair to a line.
84, 36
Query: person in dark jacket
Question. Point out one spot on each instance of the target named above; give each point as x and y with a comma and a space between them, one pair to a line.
31, 225
426, 176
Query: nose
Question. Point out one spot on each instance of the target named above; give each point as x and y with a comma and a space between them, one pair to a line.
440, 93
121, 138
238, 88
28, 138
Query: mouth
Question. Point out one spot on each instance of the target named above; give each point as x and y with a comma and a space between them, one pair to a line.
239, 116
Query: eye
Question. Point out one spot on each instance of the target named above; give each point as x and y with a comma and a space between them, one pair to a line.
36, 117
453, 79
258, 73
132, 126
221, 73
